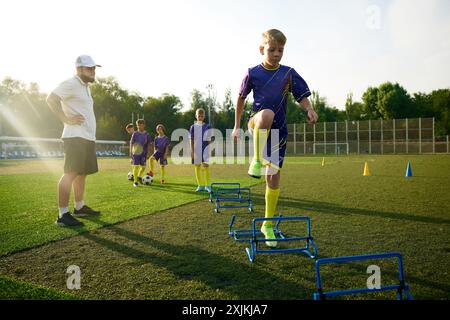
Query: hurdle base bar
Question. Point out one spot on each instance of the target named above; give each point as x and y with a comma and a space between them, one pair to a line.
217, 185
254, 237
219, 198
402, 288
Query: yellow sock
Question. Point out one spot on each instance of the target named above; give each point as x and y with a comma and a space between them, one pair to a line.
142, 171
198, 175
207, 176
259, 142
163, 169
136, 173
152, 165
271, 204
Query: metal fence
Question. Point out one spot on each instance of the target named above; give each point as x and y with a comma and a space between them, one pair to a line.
395, 136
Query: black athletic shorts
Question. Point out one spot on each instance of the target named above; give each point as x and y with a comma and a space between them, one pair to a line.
80, 156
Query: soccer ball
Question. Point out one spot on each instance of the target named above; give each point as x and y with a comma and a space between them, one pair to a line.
130, 176
147, 180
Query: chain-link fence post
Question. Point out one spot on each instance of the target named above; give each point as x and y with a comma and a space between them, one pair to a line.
434, 145
393, 134
407, 135
346, 136
447, 143
304, 138
420, 135
335, 137
295, 140
314, 141
357, 133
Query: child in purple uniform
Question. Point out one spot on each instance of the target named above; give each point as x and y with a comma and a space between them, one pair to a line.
161, 151
271, 84
199, 136
140, 147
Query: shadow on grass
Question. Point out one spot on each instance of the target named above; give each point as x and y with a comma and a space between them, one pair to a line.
192, 263
183, 188
176, 187
410, 280
332, 208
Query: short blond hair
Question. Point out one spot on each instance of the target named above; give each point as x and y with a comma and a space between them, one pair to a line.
162, 127
200, 111
273, 35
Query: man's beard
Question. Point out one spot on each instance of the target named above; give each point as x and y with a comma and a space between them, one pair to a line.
87, 79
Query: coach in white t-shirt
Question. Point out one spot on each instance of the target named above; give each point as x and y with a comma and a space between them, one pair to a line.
72, 102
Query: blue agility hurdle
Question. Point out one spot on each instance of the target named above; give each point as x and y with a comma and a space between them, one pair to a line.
222, 194
402, 288
255, 236
217, 185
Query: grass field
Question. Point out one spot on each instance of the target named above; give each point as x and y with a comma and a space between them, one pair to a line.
165, 242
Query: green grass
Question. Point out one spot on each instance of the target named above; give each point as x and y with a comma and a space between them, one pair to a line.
28, 208
184, 252
11, 289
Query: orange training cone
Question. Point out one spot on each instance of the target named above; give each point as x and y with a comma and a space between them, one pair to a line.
366, 170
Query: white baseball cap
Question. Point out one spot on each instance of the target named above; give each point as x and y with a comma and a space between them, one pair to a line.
85, 61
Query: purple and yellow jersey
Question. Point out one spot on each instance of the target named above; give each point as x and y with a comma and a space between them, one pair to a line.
161, 143
271, 89
140, 142
200, 134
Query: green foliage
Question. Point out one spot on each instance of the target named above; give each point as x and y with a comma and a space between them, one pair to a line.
226, 113
393, 102
294, 113
28, 113
113, 107
109, 127
163, 110
187, 118
370, 104
325, 113
24, 111
441, 108
353, 110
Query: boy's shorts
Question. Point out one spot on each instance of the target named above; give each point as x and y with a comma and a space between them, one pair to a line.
160, 157
80, 156
139, 160
201, 158
277, 151
273, 153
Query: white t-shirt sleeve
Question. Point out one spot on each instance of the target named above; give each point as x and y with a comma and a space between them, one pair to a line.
65, 90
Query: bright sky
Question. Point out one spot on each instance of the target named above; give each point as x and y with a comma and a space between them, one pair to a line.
174, 46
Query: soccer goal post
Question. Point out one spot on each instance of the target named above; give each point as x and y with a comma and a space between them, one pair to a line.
330, 148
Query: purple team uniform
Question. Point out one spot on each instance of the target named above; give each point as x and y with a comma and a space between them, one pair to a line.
161, 144
270, 91
140, 142
200, 134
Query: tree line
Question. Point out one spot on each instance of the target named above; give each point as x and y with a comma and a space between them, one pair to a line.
24, 110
